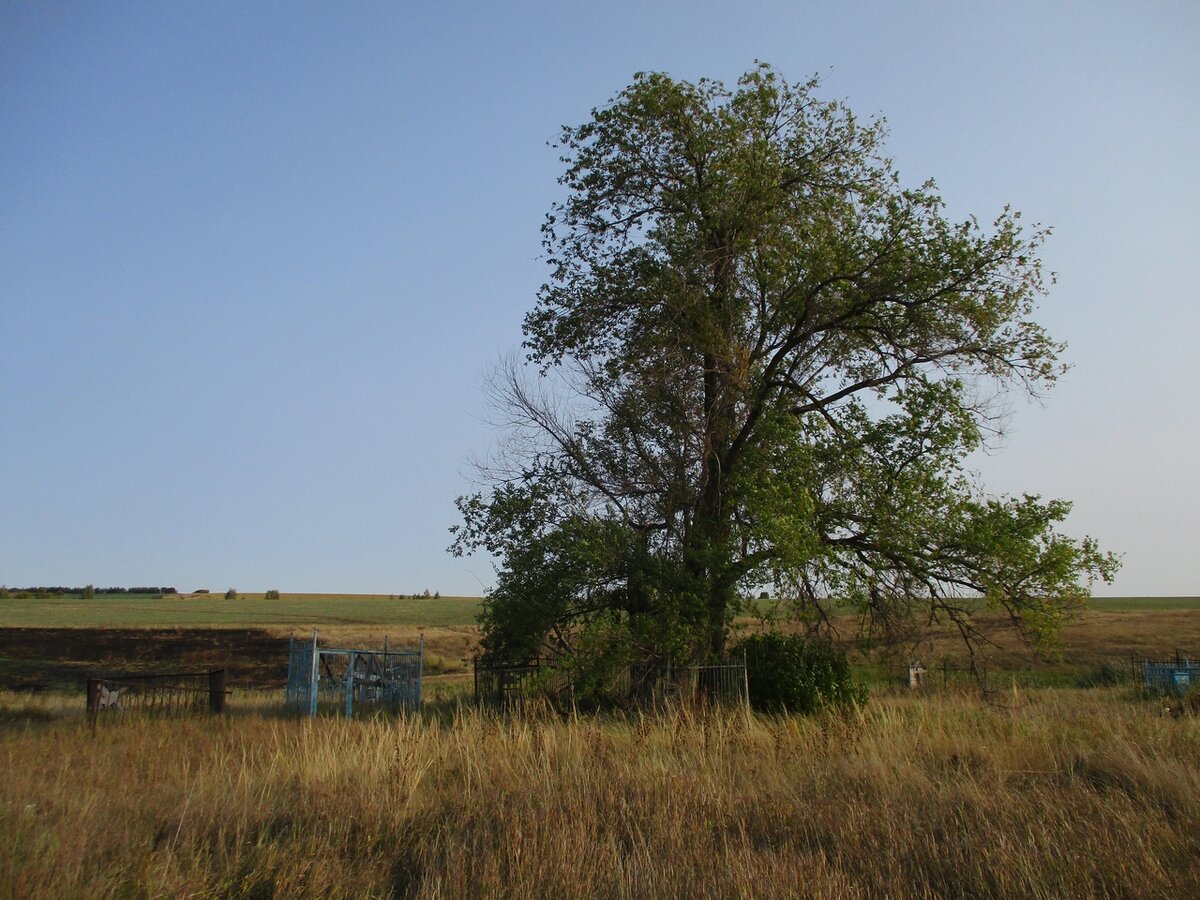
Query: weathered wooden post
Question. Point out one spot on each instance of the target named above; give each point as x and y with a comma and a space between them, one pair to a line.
289, 692
93, 700
216, 691
351, 659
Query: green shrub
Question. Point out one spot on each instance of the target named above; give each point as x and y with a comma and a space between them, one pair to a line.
792, 674
231, 594
1106, 674
271, 595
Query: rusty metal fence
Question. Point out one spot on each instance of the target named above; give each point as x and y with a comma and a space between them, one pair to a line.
174, 693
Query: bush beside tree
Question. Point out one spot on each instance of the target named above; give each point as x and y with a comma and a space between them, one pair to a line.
794, 674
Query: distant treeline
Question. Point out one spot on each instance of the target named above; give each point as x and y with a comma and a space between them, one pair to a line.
86, 591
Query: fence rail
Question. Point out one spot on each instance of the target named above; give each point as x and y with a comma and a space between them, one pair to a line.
173, 693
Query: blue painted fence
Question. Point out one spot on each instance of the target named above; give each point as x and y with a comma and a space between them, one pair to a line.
1173, 677
343, 678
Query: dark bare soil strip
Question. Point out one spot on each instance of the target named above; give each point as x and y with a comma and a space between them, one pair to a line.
33, 659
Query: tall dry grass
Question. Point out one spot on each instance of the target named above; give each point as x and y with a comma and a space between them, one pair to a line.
1070, 793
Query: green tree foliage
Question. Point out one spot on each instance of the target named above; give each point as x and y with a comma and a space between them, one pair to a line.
272, 594
760, 359
792, 673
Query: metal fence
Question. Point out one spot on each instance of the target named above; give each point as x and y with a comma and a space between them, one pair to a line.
175, 693
343, 678
725, 683
510, 685
1177, 676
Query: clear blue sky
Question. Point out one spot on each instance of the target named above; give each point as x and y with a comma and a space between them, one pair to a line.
255, 258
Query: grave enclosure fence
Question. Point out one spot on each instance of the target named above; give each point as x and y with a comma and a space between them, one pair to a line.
1171, 676
174, 693
511, 685
343, 678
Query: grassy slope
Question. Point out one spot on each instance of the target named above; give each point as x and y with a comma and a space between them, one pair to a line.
1137, 604
66, 638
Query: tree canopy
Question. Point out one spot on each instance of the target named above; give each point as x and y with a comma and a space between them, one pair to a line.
760, 359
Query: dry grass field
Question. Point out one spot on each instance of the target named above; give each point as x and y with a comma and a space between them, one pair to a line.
1044, 791
38, 659
1094, 638
1061, 793
252, 645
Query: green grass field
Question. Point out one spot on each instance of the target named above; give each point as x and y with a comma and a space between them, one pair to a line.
303, 610
213, 610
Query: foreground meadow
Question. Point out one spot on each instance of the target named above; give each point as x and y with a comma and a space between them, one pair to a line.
1058, 793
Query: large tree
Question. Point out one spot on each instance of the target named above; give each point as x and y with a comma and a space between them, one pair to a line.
761, 359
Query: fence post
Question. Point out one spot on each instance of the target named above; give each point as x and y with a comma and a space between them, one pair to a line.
93, 700
216, 691
420, 672
315, 677
745, 679
289, 696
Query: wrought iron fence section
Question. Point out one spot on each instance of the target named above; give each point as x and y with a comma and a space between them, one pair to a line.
162, 693
510, 685
1175, 676
343, 678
